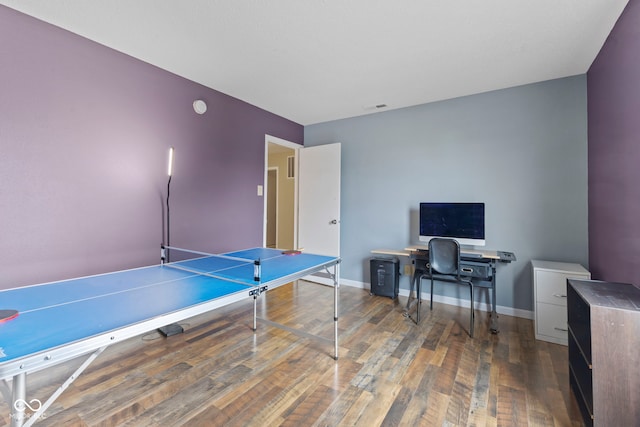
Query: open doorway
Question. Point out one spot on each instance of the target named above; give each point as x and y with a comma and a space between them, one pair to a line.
272, 208
309, 221
280, 194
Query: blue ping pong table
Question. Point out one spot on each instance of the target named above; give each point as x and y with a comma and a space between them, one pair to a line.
62, 320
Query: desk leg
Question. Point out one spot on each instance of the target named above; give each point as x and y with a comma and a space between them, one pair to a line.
415, 283
406, 309
493, 322
419, 297
412, 285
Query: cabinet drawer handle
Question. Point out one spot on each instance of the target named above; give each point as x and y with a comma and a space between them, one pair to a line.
559, 329
559, 296
467, 270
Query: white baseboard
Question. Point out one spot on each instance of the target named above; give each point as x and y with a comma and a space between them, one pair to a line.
509, 311
355, 284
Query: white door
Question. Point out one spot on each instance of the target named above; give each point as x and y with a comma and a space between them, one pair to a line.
319, 199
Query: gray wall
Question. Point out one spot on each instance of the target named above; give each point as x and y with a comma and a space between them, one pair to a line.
522, 151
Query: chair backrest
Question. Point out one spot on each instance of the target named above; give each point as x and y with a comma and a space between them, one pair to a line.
444, 256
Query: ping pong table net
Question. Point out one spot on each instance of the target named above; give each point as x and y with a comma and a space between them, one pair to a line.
223, 267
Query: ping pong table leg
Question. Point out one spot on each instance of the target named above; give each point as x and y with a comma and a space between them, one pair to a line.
19, 394
18, 401
336, 285
255, 312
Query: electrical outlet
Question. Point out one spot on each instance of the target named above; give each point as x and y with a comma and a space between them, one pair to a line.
407, 269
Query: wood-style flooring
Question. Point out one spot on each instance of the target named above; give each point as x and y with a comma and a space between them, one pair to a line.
391, 372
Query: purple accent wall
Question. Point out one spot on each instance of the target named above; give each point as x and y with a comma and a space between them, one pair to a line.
613, 90
84, 139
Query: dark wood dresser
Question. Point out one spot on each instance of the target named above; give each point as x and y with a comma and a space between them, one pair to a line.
604, 351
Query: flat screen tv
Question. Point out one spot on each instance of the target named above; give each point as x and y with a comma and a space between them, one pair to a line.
463, 222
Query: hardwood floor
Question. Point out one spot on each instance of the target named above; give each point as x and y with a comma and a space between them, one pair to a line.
391, 372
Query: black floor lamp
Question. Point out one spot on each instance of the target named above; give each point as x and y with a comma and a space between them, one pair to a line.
170, 173
174, 328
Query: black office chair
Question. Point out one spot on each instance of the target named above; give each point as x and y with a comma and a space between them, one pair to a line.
444, 266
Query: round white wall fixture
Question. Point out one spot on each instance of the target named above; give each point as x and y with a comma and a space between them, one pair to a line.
199, 106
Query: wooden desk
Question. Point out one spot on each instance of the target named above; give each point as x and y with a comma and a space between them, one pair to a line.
464, 253
393, 252
479, 265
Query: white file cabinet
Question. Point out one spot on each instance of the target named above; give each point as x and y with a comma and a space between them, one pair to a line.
550, 296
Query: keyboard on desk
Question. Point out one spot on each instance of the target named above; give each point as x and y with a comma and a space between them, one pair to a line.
469, 255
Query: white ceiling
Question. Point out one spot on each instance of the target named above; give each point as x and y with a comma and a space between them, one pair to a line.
318, 60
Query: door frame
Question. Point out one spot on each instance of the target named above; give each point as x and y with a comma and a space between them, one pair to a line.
295, 147
267, 193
